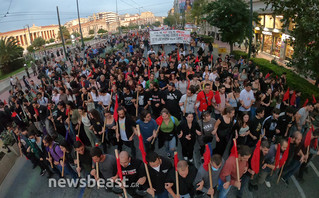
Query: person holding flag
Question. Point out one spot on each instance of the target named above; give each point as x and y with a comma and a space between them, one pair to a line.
301, 117
230, 175
84, 159
148, 127
203, 178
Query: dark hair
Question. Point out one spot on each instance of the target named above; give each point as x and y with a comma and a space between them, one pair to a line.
144, 114
290, 109
96, 152
66, 145
244, 150
77, 144
228, 110
217, 159
151, 156
96, 115
48, 139
276, 111
260, 110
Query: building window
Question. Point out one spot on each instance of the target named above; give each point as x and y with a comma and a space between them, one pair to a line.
267, 43
269, 21
278, 23
262, 20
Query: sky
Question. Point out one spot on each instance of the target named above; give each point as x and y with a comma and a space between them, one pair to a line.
15, 14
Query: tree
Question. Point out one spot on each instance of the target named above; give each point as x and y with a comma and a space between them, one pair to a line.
76, 34
101, 31
157, 23
304, 14
38, 42
170, 20
10, 55
30, 49
91, 31
51, 40
65, 33
197, 12
232, 19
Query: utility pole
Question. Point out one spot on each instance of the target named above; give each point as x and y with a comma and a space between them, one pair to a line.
29, 34
250, 28
61, 33
77, 5
118, 19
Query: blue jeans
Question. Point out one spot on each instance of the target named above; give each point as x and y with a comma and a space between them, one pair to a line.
68, 170
170, 146
163, 194
291, 168
223, 192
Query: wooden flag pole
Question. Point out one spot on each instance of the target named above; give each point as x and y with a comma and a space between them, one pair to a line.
210, 178
52, 120
137, 103
63, 160
237, 163
177, 181
124, 189
79, 129
155, 135
103, 134
97, 174
282, 168
78, 162
50, 159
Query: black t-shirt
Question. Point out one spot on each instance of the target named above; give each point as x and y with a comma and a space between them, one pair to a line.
142, 98
133, 171
255, 126
283, 122
86, 160
185, 184
171, 99
159, 178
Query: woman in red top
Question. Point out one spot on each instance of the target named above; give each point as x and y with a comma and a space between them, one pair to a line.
204, 99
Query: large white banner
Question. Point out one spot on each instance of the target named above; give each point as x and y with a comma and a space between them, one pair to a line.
170, 37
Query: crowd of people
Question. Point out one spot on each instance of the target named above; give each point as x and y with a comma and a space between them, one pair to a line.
86, 105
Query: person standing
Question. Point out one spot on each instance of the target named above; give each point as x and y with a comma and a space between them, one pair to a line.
170, 100
246, 98
148, 127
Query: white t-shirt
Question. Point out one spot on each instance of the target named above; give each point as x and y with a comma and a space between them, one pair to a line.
105, 99
246, 97
213, 76
122, 129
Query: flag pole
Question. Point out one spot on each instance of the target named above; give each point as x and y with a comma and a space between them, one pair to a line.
210, 178
282, 168
237, 165
62, 174
117, 157
78, 162
103, 134
146, 167
155, 135
177, 181
52, 120
50, 160
97, 174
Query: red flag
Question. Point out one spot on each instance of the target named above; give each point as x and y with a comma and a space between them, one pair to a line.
116, 106
104, 62
90, 75
188, 84
141, 147
188, 58
197, 60
293, 99
93, 68
206, 156
14, 114
149, 61
178, 57
175, 160
314, 101
119, 168
234, 149
77, 139
19, 138
286, 96
170, 58
284, 155
67, 111
306, 102
277, 158
96, 145
36, 111
49, 108
159, 120
308, 137
255, 160
5, 102
315, 144
217, 97
82, 83
211, 57
267, 75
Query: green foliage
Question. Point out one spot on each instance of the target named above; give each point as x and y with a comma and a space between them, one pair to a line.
7, 138
237, 54
198, 11
170, 20
305, 14
207, 39
294, 81
156, 24
38, 42
30, 49
10, 54
65, 33
232, 18
76, 34
91, 31
51, 40
101, 31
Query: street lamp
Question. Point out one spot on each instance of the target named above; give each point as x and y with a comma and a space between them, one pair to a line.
250, 27
77, 5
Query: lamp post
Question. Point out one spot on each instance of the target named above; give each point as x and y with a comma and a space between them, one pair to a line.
61, 33
250, 28
77, 6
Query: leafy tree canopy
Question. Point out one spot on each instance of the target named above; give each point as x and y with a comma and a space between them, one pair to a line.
101, 31
65, 32
38, 42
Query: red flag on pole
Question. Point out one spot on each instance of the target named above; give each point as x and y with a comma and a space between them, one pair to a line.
119, 168
188, 84
82, 83
234, 149
306, 102
141, 147
314, 101
170, 58
5, 102
217, 97
188, 58
284, 155
159, 120
197, 60
308, 137
315, 144
36, 111
178, 56
277, 157
255, 160
149, 61
77, 139
116, 106
14, 114
206, 156
293, 99
175, 160
286, 96
211, 58
267, 75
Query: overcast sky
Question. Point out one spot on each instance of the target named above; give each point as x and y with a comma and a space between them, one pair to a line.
43, 12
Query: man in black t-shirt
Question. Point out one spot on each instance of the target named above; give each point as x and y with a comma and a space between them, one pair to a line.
255, 127
154, 99
170, 100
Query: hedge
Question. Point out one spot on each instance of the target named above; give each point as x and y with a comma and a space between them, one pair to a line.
237, 54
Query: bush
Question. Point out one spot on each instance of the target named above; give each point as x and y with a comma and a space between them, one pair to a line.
207, 39
294, 81
237, 54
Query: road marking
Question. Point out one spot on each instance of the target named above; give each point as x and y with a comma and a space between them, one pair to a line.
314, 168
302, 193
